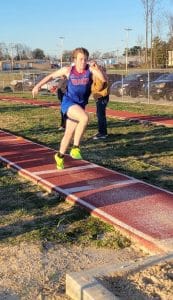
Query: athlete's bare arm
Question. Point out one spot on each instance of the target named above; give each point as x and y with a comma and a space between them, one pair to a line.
59, 73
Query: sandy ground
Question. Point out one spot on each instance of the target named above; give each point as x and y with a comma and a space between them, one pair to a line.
35, 271
154, 282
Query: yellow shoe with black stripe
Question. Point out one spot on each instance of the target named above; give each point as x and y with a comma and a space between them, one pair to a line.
75, 153
59, 162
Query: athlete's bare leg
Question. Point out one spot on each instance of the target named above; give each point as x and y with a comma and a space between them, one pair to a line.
69, 132
75, 125
78, 113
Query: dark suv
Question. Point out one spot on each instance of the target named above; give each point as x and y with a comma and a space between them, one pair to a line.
113, 77
162, 88
147, 85
131, 85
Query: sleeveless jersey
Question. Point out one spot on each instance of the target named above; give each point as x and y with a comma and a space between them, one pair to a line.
78, 87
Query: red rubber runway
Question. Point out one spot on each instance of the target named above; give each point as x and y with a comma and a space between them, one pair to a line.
143, 211
123, 115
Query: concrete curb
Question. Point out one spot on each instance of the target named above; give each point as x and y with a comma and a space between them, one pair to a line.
85, 286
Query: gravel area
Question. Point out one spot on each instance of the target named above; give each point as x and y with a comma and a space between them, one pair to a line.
154, 282
36, 271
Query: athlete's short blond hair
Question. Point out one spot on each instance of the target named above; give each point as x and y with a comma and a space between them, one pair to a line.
80, 50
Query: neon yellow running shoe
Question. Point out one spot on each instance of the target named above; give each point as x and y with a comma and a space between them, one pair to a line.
59, 162
75, 153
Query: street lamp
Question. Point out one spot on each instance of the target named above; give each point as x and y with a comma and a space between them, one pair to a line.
117, 55
12, 58
127, 40
62, 44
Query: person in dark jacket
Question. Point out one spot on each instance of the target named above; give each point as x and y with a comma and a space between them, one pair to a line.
61, 89
100, 92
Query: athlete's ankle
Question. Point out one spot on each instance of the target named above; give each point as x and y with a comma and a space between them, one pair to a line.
60, 154
75, 146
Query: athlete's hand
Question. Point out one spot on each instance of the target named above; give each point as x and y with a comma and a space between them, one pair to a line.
35, 91
93, 64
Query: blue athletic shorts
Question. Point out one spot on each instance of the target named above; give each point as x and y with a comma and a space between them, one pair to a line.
66, 103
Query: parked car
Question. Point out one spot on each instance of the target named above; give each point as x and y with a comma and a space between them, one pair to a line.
131, 85
55, 66
113, 78
147, 86
51, 86
22, 85
27, 82
162, 88
116, 88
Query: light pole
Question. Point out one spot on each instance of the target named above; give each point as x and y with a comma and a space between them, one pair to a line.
12, 58
62, 44
127, 41
117, 55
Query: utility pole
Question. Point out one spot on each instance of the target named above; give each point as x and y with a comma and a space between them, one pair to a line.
127, 41
146, 33
151, 12
62, 45
151, 39
117, 56
12, 60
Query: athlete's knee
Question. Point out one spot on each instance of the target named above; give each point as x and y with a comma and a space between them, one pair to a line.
84, 119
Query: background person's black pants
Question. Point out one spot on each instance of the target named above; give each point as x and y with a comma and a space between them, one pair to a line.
101, 104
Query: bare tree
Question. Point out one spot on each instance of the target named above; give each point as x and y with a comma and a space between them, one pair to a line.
139, 42
3, 48
170, 24
19, 49
149, 9
146, 16
170, 32
158, 27
96, 54
151, 13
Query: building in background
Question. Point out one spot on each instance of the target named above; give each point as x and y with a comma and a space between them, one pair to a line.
170, 58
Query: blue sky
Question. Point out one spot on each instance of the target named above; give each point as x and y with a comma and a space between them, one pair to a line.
94, 24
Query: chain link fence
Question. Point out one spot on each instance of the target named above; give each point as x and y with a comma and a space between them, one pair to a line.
149, 86
11, 82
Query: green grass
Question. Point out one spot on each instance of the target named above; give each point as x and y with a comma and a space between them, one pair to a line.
149, 109
144, 109
28, 95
